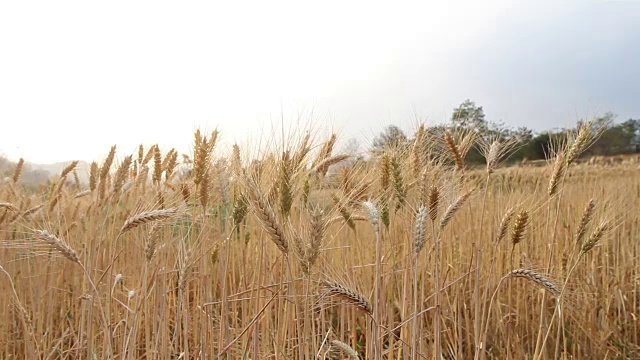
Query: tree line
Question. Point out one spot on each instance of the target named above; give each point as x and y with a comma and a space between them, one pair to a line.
615, 138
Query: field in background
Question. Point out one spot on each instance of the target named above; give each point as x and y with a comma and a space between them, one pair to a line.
306, 253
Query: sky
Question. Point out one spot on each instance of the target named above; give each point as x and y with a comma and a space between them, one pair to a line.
79, 76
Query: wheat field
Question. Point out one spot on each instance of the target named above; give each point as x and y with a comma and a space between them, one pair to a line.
300, 252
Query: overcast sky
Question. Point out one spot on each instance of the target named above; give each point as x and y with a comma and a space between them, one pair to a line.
76, 77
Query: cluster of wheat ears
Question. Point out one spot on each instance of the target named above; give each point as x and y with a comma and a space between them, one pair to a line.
303, 253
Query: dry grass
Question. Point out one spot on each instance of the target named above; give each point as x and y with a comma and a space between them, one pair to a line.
261, 258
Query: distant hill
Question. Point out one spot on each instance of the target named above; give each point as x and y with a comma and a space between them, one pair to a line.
56, 168
35, 174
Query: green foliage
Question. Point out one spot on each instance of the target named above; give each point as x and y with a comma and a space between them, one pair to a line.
616, 139
391, 137
613, 139
469, 116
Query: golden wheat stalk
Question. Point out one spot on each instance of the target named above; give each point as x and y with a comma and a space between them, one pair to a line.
299, 249
326, 150
32, 210
140, 153
147, 217
536, 278
454, 149
82, 194
345, 349
348, 295
268, 218
493, 156
104, 170
149, 155
201, 159
58, 245
519, 227
184, 269
172, 163
93, 175
142, 177
323, 166
397, 180
285, 184
423, 186
595, 237
504, 225
580, 143
25, 319
236, 161
69, 168
384, 170
167, 159
121, 174
420, 233
587, 214
18, 171
151, 241
8, 206
453, 208
317, 232
434, 200
301, 153
76, 179
157, 165
558, 171
347, 217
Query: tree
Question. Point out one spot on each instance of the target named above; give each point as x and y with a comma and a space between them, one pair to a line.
631, 129
391, 137
615, 138
469, 116
351, 147
539, 147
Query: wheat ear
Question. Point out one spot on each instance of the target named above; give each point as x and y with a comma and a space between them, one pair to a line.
268, 218
93, 175
558, 170
504, 225
580, 143
69, 168
587, 214
18, 171
344, 348
8, 206
147, 217
323, 166
519, 227
433, 201
350, 296
420, 233
82, 194
594, 238
493, 156
453, 208
121, 174
536, 278
374, 212
318, 228
58, 245
455, 150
